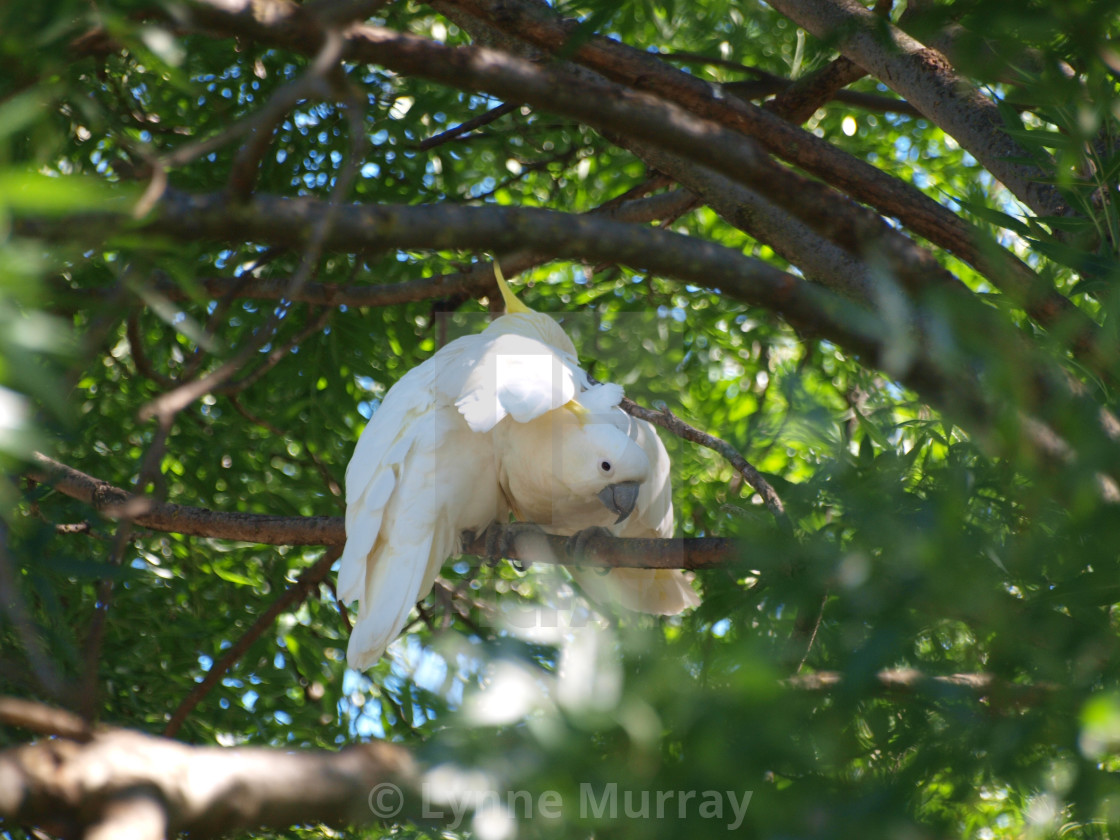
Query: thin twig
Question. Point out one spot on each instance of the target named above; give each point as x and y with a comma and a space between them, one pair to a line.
343, 613
468, 126
293, 596
139, 355
246, 164
813, 634
276, 355
671, 423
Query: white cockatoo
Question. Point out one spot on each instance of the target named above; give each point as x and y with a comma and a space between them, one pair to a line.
499, 422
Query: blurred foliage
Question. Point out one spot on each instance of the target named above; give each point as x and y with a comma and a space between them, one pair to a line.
913, 546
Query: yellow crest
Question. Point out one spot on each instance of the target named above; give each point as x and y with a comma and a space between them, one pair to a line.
579, 410
511, 301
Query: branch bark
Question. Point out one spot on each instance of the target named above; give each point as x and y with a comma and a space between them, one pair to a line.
283, 222
124, 784
115, 503
693, 129
701, 553
941, 378
890, 196
1000, 694
924, 78
118, 783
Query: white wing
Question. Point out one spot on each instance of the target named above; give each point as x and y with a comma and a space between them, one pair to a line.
418, 477
509, 375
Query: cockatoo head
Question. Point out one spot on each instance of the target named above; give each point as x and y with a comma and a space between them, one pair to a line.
598, 459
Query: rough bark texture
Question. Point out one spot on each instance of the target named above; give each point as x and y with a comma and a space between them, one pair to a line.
925, 78
125, 784
115, 503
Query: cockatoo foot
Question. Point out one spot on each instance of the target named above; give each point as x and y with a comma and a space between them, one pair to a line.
501, 541
579, 542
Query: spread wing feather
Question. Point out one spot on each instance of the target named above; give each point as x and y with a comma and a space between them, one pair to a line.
510, 375
418, 477
421, 473
443, 482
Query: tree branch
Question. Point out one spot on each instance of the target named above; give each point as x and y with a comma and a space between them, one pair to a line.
890, 196
115, 782
798, 100
103, 786
614, 108
670, 422
468, 126
284, 221
941, 379
43, 719
113, 502
924, 78
293, 596
474, 281
999, 693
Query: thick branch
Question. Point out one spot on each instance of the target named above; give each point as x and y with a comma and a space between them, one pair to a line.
925, 79
106, 781
938, 378
808, 308
614, 108
65, 786
284, 222
941, 379
474, 281
890, 196
116, 503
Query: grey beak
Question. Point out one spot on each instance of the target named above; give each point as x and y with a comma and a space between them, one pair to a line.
620, 498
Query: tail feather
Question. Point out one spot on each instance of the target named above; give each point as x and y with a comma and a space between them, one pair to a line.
654, 591
394, 584
363, 522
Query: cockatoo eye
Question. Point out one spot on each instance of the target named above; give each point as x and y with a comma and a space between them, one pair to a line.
605, 466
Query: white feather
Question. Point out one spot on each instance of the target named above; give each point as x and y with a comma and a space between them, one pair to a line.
601, 398
510, 375
445, 483
548, 471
